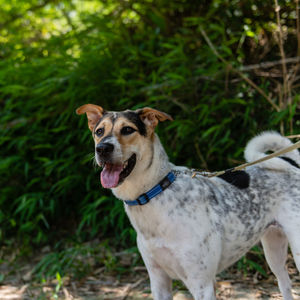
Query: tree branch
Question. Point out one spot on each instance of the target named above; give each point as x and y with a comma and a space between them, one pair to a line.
229, 65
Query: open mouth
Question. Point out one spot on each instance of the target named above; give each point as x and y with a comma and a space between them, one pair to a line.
114, 174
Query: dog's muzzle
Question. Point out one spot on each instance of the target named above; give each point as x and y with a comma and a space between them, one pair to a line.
113, 173
105, 150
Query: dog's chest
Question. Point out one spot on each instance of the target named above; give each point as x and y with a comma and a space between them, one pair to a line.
167, 234
165, 256
158, 237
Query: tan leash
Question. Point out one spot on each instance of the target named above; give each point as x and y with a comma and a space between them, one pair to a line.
295, 136
243, 166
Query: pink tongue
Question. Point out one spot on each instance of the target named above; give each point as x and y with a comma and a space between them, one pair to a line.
110, 175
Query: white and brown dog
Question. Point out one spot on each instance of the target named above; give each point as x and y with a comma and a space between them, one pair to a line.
192, 228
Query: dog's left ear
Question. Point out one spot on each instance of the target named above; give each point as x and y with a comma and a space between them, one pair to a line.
93, 113
151, 116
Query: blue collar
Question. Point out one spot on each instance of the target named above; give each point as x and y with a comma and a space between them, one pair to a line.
145, 198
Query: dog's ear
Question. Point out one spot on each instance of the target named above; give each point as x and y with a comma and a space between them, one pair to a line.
93, 113
151, 116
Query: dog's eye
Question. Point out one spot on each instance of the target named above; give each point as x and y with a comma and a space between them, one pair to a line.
127, 130
99, 131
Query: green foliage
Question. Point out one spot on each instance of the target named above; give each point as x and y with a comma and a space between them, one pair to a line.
252, 262
76, 259
58, 55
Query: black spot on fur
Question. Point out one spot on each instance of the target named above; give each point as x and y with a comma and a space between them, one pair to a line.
240, 179
291, 161
135, 119
113, 118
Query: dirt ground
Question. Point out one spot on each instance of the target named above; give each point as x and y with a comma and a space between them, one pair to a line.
131, 284
134, 286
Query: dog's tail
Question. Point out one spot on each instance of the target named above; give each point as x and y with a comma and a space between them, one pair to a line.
270, 141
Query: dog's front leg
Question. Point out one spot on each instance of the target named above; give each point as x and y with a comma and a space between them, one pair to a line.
161, 283
201, 290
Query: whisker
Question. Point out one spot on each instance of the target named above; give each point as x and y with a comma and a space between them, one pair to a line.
92, 157
95, 162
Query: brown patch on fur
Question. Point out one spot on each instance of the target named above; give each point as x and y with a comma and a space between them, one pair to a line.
151, 116
93, 113
125, 139
114, 128
106, 123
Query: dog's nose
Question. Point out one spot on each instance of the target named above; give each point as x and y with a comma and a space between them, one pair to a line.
104, 148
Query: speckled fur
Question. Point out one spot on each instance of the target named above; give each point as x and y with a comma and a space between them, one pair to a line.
199, 226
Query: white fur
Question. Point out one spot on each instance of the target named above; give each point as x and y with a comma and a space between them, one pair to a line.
270, 141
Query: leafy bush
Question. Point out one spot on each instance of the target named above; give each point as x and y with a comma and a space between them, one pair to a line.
58, 55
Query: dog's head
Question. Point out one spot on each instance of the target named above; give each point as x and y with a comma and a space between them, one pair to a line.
123, 140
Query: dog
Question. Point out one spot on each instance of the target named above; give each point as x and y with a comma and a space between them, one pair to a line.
192, 228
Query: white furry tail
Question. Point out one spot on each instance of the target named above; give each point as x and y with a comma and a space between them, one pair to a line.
271, 141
